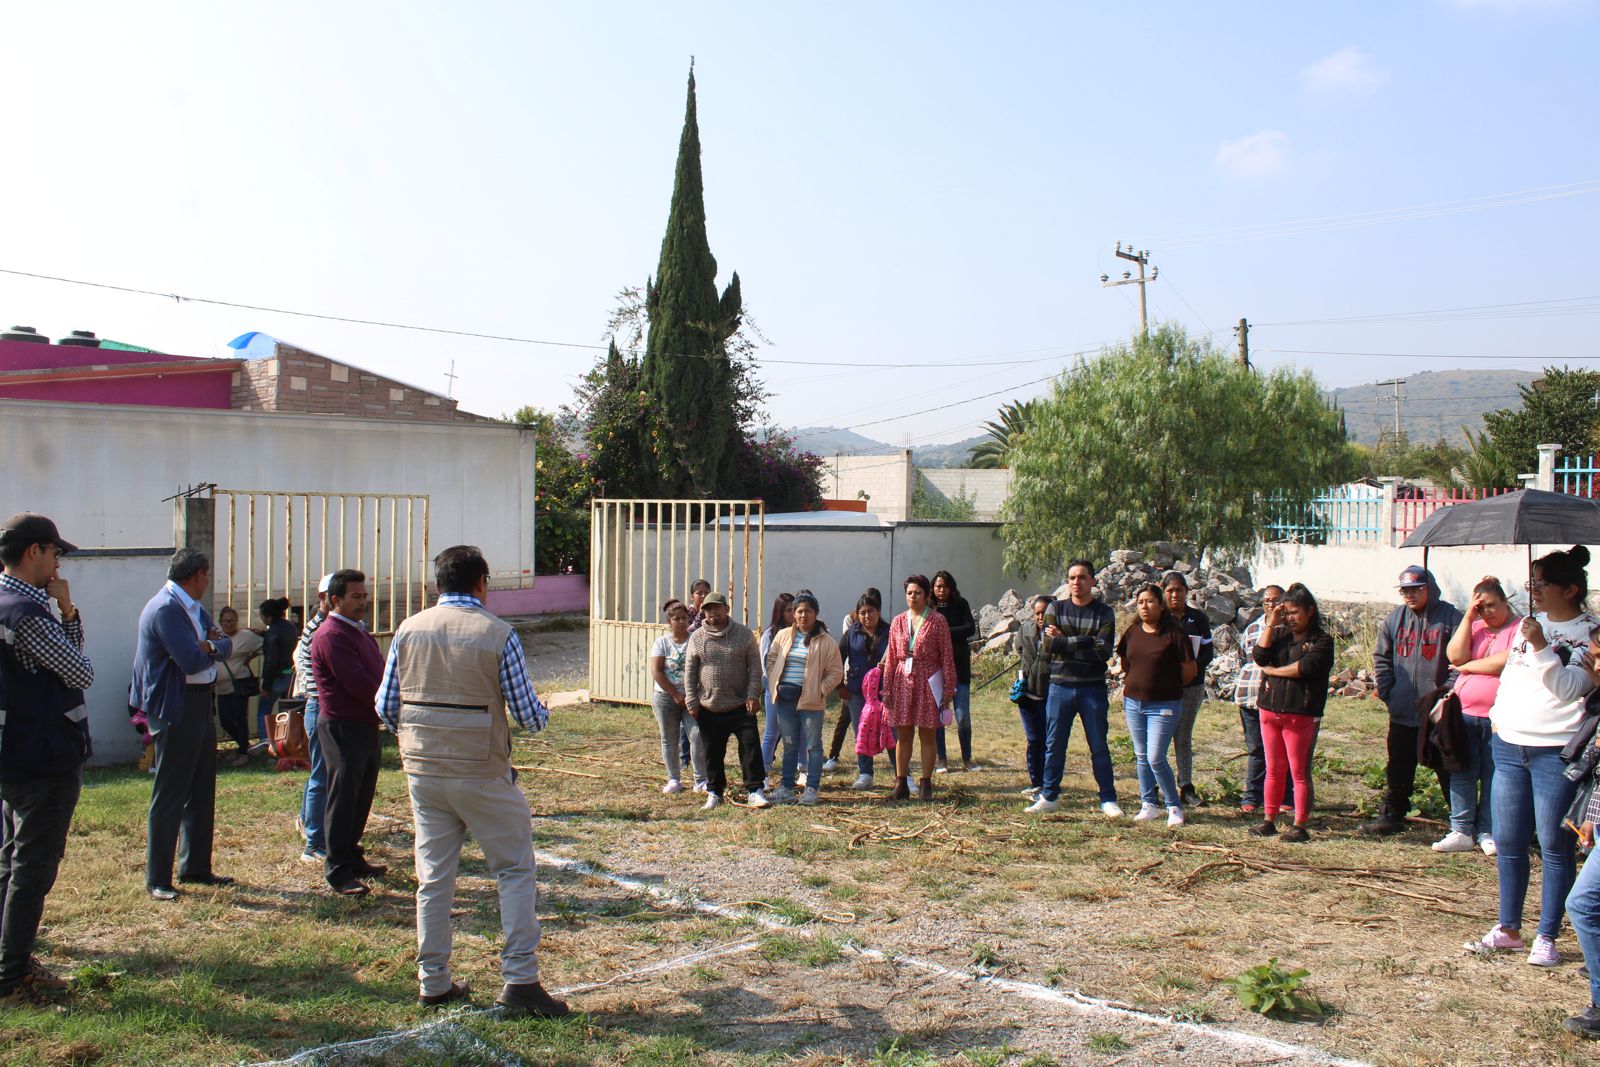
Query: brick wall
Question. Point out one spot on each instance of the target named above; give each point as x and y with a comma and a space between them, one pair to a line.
886, 481
295, 380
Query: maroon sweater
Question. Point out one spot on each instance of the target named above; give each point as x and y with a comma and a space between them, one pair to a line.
348, 668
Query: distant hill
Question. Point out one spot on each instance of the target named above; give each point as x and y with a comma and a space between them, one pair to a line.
951, 455
827, 441
1435, 405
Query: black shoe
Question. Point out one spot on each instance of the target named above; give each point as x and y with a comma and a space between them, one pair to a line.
531, 1000
1265, 828
371, 870
163, 892
457, 991
1585, 1024
210, 879
1190, 797
1383, 826
1296, 833
352, 888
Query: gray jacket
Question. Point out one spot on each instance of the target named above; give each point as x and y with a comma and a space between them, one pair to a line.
1409, 660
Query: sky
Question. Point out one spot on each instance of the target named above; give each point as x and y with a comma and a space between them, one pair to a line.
934, 185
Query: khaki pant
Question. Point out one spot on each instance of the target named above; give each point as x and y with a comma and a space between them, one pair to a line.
496, 813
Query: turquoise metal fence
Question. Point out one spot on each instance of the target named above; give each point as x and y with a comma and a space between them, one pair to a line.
1579, 476
1336, 516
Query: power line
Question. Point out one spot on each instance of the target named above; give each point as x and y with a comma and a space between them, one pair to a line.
1417, 355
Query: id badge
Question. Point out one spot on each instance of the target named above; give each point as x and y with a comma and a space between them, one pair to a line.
905, 667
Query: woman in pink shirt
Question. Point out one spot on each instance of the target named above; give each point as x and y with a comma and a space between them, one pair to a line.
1478, 651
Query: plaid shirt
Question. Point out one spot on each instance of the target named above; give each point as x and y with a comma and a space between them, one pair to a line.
521, 700
1248, 688
42, 643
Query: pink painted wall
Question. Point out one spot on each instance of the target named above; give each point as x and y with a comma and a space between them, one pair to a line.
203, 390
551, 594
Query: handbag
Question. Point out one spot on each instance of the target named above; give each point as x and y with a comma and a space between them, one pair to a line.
248, 686
286, 735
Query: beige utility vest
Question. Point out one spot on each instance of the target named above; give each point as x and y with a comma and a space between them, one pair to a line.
452, 714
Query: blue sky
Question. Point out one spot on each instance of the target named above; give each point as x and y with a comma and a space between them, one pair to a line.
895, 183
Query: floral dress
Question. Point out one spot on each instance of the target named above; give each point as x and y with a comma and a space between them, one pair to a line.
908, 698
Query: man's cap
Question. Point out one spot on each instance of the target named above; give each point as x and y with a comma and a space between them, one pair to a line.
714, 598
327, 580
1412, 577
26, 528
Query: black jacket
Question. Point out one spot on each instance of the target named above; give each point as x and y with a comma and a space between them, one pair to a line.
1035, 661
1303, 695
958, 616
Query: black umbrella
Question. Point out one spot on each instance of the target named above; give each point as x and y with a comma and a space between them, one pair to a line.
1526, 517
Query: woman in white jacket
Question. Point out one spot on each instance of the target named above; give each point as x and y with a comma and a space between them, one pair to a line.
1535, 713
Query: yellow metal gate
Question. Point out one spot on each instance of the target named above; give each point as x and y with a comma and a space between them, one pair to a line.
273, 543
643, 552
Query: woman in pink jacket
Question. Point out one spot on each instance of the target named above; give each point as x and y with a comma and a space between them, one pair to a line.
919, 688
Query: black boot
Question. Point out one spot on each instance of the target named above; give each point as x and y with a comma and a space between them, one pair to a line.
1386, 824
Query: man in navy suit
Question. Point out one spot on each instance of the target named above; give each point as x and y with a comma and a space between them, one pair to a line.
174, 676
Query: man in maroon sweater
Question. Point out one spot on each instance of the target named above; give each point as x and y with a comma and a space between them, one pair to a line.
348, 667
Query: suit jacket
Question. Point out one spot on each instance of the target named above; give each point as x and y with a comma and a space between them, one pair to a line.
167, 651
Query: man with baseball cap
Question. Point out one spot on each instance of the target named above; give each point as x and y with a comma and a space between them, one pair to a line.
44, 741
1410, 663
722, 689
314, 800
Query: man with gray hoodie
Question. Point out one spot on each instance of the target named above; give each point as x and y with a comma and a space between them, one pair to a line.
1410, 663
721, 690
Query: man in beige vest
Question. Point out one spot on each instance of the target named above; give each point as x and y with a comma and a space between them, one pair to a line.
454, 672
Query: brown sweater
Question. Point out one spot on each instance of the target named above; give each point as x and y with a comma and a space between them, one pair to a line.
1153, 663
722, 668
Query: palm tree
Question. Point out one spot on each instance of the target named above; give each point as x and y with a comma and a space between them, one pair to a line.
1004, 434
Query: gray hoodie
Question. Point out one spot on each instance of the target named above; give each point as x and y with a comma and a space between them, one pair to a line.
1410, 660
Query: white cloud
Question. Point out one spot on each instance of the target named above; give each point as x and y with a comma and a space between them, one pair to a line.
1347, 70
1263, 154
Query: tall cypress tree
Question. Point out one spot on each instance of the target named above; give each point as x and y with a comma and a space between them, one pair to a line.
686, 371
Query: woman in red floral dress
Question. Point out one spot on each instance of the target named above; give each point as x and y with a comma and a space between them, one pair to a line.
919, 683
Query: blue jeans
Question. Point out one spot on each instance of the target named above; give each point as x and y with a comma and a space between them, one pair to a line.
792, 723
1583, 908
1151, 725
855, 703
963, 717
1529, 791
771, 735
1089, 703
1472, 787
314, 801
270, 692
1032, 712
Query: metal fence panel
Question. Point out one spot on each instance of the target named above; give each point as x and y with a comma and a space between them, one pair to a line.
1579, 476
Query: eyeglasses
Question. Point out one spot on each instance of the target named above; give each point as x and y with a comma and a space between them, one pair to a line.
1537, 583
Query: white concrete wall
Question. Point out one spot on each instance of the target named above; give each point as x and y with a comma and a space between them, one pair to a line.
1368, 572
987, 489
887, 481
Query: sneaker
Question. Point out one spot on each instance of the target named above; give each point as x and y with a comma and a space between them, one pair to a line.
672, 786
712, 801
318, 856
757, 800
1543, 953
941, 768
1042, 807
1249, 809
1496, 940
1191, 796
782, 795
863, 781
1111, 809
1146, 813
831, 765
1586, 1024
41, 977
1486, 842
1175, 817
1265, 828
700, 786
810, 798
1296, 833
1031, 791
1454, 841
25, 996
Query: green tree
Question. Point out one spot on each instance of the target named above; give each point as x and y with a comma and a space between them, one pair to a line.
1437, 461
561, 491
686, 371
1165, 438
995, 449
1558, 407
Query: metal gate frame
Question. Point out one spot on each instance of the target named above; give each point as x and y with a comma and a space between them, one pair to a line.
641, 552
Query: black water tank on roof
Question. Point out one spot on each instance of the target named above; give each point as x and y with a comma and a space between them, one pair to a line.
80, 339
24, 333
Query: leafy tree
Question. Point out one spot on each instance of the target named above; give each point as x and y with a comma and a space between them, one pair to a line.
1483, 467
767, 467
1559, 407
1438, 461
1165, 438
686, 372
934, 506
993, 451
611, 409
561, 491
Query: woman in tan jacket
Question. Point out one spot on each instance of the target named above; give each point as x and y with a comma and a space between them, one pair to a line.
803, 667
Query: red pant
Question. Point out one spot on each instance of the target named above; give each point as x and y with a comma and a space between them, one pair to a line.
1287, 740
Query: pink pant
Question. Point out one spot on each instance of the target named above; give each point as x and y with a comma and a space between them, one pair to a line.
1287, 740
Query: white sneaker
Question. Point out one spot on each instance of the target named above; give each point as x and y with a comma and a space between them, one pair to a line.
831, 765
1486, 842
672, 786
700, 785
712, 801
1146, 813
810, 798
1174, 816
782, 795
1031, 791
862, 782
1454, 841
758, 801
1042, 807
1111, 809
1543, 953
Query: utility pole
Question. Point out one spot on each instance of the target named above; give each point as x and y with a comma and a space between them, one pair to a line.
1397, 383
1143, 260
1243, 332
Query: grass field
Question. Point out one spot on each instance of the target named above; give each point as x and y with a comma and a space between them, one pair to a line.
1155, 919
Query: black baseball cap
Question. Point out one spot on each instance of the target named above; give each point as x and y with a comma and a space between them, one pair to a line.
26, 528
